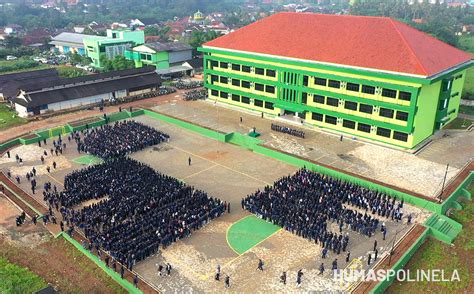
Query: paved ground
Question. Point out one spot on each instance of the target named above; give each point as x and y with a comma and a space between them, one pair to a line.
422, 173
229, 173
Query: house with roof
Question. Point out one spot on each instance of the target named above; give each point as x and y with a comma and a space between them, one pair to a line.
372, 78
168, 57
67, 42
61, 94
11, 83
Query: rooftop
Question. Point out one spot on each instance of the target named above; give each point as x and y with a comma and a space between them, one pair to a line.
376, 43
74, 38
171, 46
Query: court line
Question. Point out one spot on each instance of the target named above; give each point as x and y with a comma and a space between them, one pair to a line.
243, 253
196, 173
216, 163
54, 179
227, 233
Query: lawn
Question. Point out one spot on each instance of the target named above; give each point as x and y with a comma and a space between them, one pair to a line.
20, 65
434, 254
460, 123
60, 264
9, 118
17, 279
466, 109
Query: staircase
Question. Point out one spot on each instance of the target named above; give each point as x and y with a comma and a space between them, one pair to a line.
443, 228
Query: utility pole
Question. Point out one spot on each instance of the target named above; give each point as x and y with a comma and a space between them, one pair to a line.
444, 181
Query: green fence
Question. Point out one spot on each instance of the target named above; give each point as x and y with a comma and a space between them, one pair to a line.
383, 285
114, 275
187, 125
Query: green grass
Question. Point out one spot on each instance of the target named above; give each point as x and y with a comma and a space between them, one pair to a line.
248, 232
10, 63
437, 255
466, 109
460, 123
17, 279
87, 160
9, 118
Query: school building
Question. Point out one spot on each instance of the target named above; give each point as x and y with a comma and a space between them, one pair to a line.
368, 77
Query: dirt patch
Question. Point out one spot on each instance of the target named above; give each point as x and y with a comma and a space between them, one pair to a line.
215, 155
55, 260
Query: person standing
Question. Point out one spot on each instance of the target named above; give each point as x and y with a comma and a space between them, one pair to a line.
348, 256
189, 160
260, 265
321, 269
283, 278
299, 275
135, 281
227, 282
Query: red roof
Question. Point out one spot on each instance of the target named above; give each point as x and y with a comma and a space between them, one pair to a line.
361, 41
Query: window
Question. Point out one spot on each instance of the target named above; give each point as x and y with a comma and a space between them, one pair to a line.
400, 136
389, 93
246, 84
269, 105
305, 80
348, 124
334, 84
330, 119
318, 99
366, 108
317, 116
384, 132
368, 89
320, 82
258, 103
224, 80
236, 82
385, 112
214, 64
245, 68
446, 85
404, 96
271, 73
214, 78
259, 87
270, 89
401, 115
350, 105
236, 67
245, 100
215, 93
259, 71
224, 95
332, 101
235, 98
224, 65
363, 127
352, 87
304, 98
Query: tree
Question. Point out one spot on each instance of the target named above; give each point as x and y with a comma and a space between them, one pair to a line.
118, 63
200, 37
12, 42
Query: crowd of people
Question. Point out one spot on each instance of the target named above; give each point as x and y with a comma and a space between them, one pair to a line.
287, 130
306, 202
133, 209
195, 95
188, 84
119, 139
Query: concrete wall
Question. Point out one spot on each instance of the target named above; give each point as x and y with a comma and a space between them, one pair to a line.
77, 102
180, 56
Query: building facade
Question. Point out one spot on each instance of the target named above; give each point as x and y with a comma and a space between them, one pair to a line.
116, 43
399, 93
168, 58
62, 94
